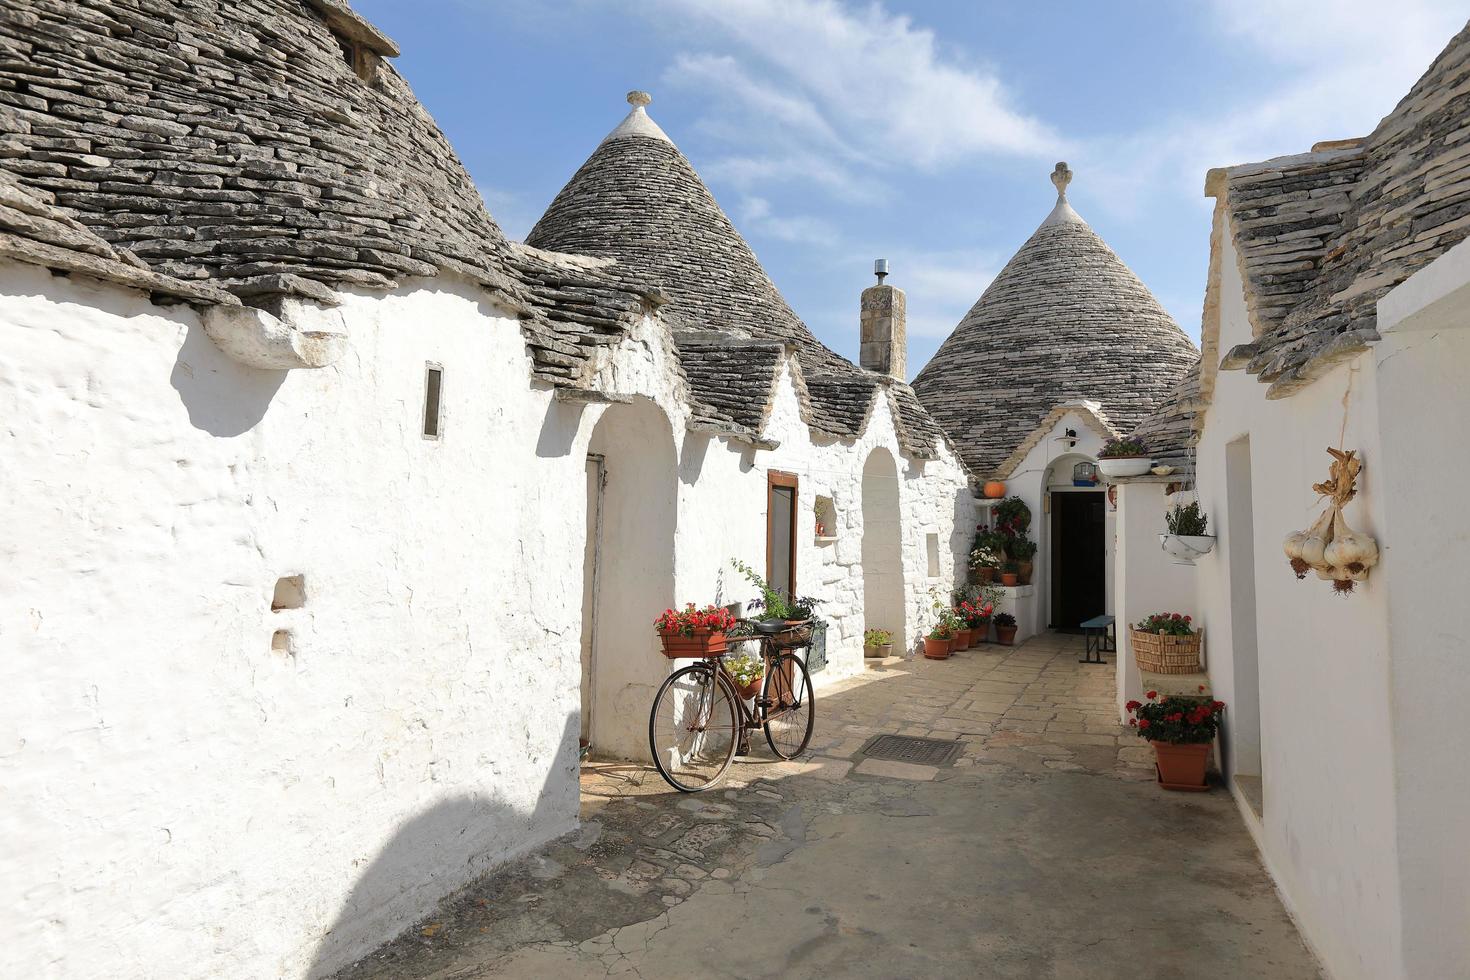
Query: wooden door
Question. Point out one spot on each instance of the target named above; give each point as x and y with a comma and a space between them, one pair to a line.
1078, 558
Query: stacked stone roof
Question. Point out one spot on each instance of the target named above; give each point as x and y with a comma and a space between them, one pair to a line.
1064, 321
230, 144
638, 200
1172, 428
1322, 236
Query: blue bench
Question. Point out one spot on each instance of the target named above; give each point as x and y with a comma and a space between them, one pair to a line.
1098, 636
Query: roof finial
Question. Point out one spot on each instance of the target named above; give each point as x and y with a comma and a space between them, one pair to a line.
639, 99
1061, 177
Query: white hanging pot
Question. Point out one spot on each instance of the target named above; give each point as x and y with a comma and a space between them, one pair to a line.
1124, 465
1185, 548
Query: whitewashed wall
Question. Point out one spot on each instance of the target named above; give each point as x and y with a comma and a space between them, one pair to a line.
195, 802
1145, 580
1329, 828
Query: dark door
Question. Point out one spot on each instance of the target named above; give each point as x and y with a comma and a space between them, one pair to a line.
1078, 559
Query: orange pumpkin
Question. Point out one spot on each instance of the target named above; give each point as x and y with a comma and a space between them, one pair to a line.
995, 489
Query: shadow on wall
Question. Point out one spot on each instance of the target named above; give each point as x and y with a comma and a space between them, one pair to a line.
443, 849
559, 429
691, 457
222, 397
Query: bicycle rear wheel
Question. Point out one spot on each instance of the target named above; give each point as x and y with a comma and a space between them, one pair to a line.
789, 706
693, 728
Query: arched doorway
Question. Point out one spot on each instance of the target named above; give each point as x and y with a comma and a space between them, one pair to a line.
883, 597
628, 574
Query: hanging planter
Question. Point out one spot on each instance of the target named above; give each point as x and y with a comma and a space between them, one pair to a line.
1186, 539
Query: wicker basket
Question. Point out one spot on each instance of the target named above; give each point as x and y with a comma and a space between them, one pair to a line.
1160, 653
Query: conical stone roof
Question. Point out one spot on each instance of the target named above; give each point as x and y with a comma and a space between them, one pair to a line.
638, 200
1065, 320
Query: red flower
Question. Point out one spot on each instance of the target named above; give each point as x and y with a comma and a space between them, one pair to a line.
1133, 705
1143, 723
1186, 619
1202, 688
1173, 615
1133, 722
1151, 695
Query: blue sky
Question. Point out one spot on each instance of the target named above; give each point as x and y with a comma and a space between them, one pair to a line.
834, 133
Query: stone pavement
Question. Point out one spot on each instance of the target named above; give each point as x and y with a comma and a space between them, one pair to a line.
1043, 850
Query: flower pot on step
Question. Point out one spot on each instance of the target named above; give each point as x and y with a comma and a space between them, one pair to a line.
1010, 579
1025, 573
1182, 767
980, 634
962, 640
986, 573
936, 649
881, 650
1006, 635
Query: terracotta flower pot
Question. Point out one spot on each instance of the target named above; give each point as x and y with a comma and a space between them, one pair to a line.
1025, 572
986, 573
701, 644
1010, 579
962, 639
1005, 635
1182, 766
936, 649
994, 490
751, 690
979, 634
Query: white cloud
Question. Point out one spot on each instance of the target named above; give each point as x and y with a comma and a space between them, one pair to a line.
832, 95
757, 219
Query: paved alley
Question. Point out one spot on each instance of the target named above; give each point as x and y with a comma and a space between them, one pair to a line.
1042, 850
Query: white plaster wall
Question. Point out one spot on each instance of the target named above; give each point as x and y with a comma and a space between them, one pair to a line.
165, 768
180, 798
1328, 771
1145, 580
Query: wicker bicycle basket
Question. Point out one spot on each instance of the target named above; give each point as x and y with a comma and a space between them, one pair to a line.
1160, 653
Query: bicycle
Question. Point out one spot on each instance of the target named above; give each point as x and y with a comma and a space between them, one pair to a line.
699, 720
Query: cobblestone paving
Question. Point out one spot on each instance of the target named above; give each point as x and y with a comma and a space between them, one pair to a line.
1043, 850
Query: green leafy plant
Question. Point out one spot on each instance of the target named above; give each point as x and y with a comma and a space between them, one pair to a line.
1012, 568
746, 668
943, 630
877, 638
774, 603
1170, 624
1012, 516
1116, 448
1021, 549
1187, 519
1175, 719
1007, 620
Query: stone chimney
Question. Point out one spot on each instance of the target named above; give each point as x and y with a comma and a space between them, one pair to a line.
885, 346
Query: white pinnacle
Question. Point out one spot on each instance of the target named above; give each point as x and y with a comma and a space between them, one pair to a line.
1062, 213
637, 122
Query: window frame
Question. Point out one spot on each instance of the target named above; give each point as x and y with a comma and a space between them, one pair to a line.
430, 368
778, 479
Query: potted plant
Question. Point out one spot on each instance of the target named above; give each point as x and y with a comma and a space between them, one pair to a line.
976, 616
961, 628
691, 632
748, 670
1012, 517
1010, 574
1005, 629
1022, 550
1181, 730
1188, 536
1166, 643
936, 644
983, 562
779, 609
1124, 457
877, 643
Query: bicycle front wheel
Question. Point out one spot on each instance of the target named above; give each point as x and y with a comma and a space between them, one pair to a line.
693, 728
789, 706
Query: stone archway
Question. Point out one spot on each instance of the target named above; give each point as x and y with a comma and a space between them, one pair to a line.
629, 574
882, 551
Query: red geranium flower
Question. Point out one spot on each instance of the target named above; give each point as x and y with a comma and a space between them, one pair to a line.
1151, 695
1133, 705
1143, 723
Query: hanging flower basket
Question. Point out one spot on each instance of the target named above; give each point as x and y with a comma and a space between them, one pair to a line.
1185, 548
691, 633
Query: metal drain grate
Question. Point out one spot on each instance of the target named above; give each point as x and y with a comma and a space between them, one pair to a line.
908, 748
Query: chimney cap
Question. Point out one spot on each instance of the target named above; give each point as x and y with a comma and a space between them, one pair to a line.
880, 269
639, 98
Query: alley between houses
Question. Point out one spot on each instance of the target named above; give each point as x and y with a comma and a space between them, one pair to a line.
1042, 850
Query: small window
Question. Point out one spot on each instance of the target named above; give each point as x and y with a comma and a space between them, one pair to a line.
826, 519
357, 57
433, 390
281, 642
290, 593
931, 547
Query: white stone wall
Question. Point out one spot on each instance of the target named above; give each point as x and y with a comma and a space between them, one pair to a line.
181, 797
1329, 776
